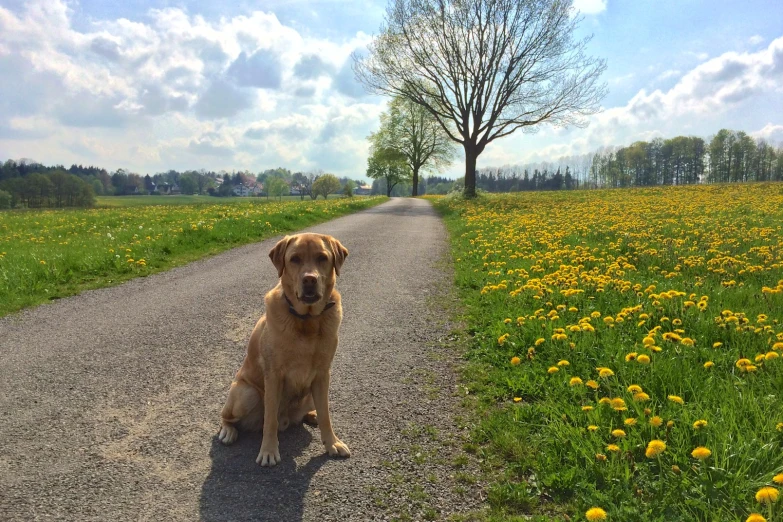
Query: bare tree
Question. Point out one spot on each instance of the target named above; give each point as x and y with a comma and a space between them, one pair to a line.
485, 68
411, 130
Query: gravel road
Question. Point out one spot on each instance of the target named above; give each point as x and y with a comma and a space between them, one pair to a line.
110, 400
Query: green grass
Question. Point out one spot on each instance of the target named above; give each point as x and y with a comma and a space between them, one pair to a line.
50, 254
143, 201
533, 270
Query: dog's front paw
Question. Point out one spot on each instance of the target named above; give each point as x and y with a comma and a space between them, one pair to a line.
268, 456
228, 434
338, 448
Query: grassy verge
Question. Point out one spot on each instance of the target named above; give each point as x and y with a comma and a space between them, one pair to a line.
626, 352
181, 199
50, 254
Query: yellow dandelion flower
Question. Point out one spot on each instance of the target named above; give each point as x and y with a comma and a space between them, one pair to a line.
699, 424
778, 479
767, 495
779, 426
717, 345
575, 381
600, 457
507, 320
618, 434
563, 363
655, 448
755, 517
595, 513
515, 361
701, 453
742, 362
517, 399
605, 400
595, 315
771, 355
641, 397
643, 359
656, 422
677, 399
592, 384
613, 447
592, 427
630, 357
648, 341
708, 365
540, 341
687, 341
669, 424
43, 262
676, 469
634, 388
605, 372
502, 339
553, 369
630, 421
618, 404
777, 346
587, 408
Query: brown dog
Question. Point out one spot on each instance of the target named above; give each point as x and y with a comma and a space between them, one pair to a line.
284, 378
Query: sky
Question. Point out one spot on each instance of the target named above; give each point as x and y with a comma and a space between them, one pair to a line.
150, 86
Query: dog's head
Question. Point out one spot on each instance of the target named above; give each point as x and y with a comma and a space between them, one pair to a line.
308, 264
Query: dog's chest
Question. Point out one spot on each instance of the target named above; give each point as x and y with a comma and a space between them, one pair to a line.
303, 366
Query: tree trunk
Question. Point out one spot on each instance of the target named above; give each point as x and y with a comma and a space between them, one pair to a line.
415, 182
470, 171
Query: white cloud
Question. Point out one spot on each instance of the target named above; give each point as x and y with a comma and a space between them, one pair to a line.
711, 89
590, 6
770, 132
176, 90
755, 39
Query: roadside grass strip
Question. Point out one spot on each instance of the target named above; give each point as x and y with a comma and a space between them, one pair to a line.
626, 352
49, 254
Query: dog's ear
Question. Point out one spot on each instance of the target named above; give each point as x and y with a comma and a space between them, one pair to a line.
340, 253
277, 255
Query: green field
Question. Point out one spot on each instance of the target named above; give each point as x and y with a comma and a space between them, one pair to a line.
625, 351
49, 254
143, 201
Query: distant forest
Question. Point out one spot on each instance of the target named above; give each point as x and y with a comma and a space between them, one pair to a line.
728, 156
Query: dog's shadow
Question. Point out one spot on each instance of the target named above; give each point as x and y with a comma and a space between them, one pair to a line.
239, 489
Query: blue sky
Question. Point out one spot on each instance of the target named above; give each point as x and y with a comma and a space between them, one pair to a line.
153, 85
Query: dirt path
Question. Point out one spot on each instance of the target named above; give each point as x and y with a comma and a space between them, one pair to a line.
109, 401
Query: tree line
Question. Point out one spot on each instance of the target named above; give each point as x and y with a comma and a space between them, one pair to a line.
29, 184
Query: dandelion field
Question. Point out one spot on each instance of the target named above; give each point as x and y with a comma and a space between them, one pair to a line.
48, 254
627, 350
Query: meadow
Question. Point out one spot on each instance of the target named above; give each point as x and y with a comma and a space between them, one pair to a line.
181, 199
48, 254
625, 351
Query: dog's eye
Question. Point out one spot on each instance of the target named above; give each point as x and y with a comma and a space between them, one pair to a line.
296, 260
322, 258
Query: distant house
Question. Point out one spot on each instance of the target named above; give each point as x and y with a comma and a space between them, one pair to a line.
241, 190
362, 190
131, 189
257, 189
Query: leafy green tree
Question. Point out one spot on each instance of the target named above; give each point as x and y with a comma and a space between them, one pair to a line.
5, 200
485, 68
389, 165
276, 187
325, 185
349, 187
188, 183
412, 131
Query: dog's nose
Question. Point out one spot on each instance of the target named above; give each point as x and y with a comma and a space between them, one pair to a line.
309, 280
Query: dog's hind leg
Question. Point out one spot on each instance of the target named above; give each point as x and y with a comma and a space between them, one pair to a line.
244, 407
